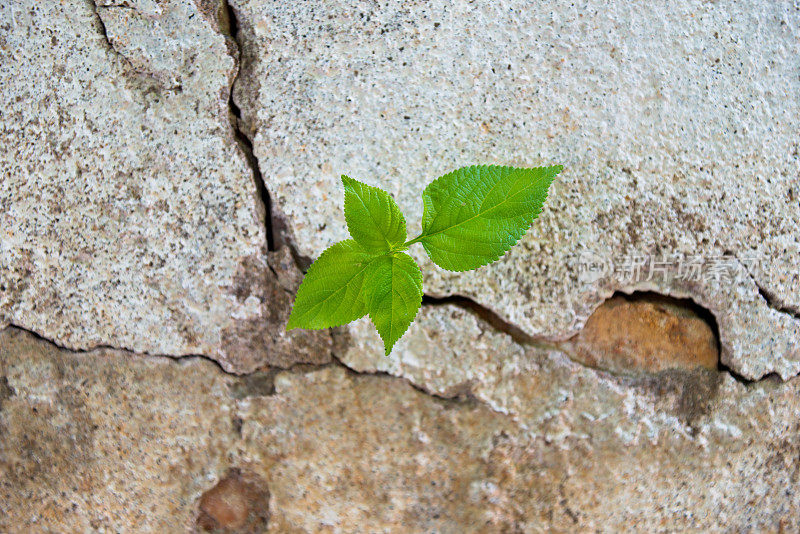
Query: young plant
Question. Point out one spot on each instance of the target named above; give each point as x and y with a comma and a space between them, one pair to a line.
471, 217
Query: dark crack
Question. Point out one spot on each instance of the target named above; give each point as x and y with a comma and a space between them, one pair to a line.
146, 82
121, 5
105, 347
774, 302
229, 25
278, 234
255, 384
521, 337
770, 297
277, 228
564, 502
102, 26
462, 396
492, 318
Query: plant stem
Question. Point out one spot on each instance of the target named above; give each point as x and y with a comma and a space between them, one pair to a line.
415, 240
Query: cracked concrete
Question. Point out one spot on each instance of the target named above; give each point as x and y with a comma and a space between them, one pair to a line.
677, 128
167, 176
129, 208
327, 447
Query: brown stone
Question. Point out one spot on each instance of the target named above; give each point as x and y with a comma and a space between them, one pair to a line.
647, 333
225, 504
367, 454
349, 453
112, 441
239, 502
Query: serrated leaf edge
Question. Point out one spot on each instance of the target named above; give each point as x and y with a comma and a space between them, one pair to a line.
425, 200
389, 246
289, 323
419, 278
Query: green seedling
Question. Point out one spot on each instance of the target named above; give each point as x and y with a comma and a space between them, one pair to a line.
471, 217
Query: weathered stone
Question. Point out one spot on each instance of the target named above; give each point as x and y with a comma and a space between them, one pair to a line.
128, 217
262, 340
596, 438
587, 438
677, 127
238, 503
450, 352
646, 334
107, 441
345, 453
101, 442
128, 212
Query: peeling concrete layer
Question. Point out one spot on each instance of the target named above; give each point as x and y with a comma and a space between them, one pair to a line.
450, 352
677, 127
101, 441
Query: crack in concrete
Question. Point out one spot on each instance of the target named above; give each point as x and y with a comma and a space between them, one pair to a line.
519, 336
262, 382
493, 319
263, 379
105, 347
150, 82
101, 26
229, 27
464, 397
276, 227
772, 300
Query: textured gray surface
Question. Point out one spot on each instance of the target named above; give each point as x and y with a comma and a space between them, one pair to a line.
677, 126
127, 206
129, 214
129, 218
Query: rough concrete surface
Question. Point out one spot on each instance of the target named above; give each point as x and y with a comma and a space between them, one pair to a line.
128, 212
677, 126
167, 168
109, 441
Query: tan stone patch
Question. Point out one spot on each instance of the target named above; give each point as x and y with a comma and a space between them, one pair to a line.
646, 334
107, 441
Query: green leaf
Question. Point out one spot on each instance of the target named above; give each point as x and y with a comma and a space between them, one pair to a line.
393, 292
332, 291
475, 214
373, 218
